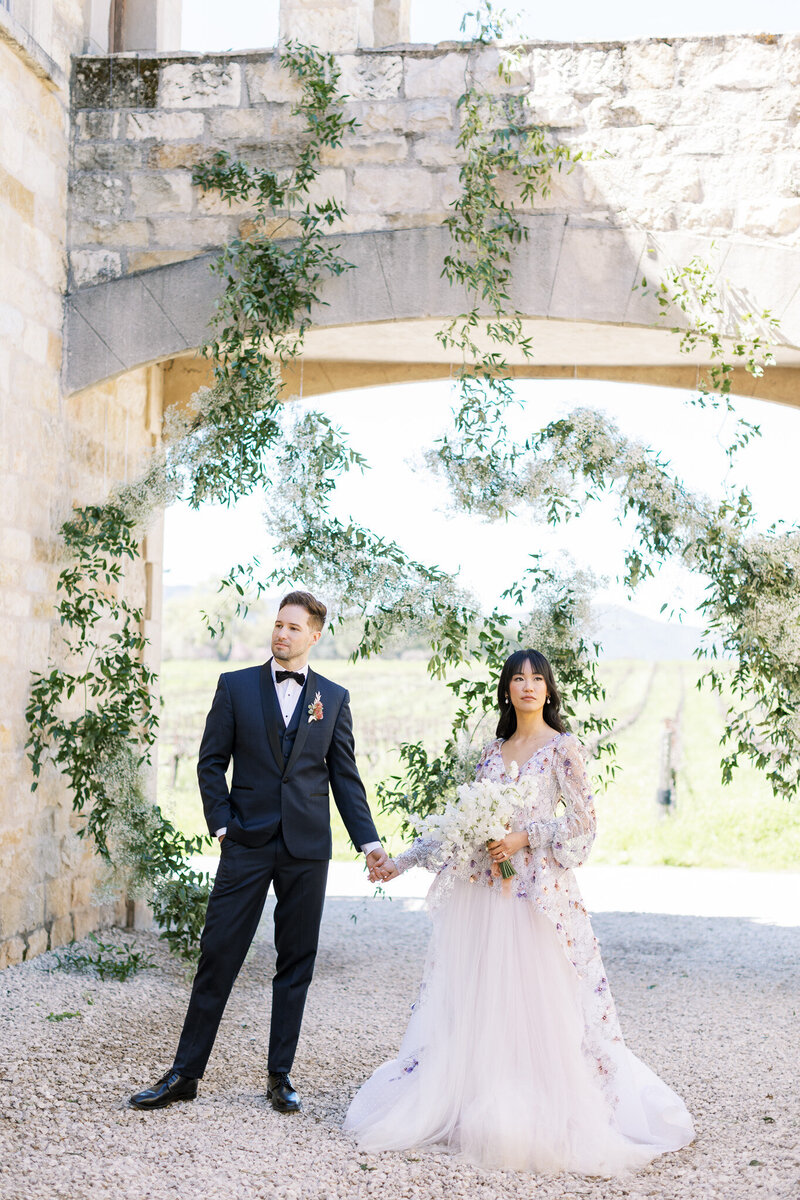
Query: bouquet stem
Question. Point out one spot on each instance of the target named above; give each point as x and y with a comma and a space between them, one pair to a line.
506, 869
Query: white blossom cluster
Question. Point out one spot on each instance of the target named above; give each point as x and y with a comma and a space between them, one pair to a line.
153, 491
568, 588
482, 812
595, 442
134, 822
465, 753
352, 567
768, 600
187, 445
776, 620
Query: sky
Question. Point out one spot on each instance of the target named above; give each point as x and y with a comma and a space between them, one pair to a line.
237, 24
399, 499
392, 426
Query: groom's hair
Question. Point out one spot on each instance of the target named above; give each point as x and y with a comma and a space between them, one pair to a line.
317, 612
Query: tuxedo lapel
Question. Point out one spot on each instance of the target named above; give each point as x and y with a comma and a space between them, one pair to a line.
270, 711
302, 731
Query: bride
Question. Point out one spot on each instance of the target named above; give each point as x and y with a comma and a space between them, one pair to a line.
513, 1056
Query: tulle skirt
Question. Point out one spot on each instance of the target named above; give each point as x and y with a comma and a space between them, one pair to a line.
491, 1067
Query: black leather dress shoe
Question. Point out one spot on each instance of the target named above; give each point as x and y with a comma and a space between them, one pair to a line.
281, 1094
166, 1090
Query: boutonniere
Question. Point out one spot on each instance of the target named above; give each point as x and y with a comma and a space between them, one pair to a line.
315, 712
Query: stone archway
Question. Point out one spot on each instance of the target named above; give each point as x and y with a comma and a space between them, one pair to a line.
574, 285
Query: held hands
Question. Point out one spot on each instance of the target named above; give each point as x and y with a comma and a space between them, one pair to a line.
380, 866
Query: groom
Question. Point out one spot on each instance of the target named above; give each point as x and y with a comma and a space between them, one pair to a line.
289, 733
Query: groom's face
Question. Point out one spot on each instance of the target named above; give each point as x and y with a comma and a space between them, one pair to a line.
293, 636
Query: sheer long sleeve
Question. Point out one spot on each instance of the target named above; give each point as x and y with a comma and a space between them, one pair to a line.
484, 756
568, 837
423, 852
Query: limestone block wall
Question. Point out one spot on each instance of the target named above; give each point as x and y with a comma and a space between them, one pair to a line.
53, 884
699, 134
54, 452
46, 33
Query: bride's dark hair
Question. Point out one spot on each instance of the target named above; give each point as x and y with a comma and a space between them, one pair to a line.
540, 666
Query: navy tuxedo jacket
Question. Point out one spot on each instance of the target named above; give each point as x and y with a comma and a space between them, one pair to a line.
269, 791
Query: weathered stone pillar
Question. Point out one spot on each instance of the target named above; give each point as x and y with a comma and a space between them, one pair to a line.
145, 25
96, 26
391, 22
340, 25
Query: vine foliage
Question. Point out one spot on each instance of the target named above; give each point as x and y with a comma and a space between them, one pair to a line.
96, 719
730, 335
507, 159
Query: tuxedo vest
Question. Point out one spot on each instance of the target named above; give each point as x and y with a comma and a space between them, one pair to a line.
289, 732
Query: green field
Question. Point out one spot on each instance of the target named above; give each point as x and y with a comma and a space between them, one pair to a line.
741, 825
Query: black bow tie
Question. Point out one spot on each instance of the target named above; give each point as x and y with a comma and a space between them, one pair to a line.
297, 675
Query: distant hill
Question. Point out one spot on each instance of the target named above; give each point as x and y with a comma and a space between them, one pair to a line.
623, 632
627, 634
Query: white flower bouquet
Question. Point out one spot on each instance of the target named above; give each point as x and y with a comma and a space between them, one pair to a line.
481, 813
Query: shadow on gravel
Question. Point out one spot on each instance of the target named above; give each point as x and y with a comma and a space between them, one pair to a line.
723, 946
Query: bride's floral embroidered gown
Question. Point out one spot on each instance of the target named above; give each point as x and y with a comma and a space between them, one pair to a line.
513, 1056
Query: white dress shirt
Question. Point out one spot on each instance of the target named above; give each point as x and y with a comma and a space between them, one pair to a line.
288, 692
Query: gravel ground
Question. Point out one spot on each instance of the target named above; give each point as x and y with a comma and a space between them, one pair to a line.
709, 1003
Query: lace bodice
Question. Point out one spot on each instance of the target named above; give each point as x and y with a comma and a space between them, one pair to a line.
558, 813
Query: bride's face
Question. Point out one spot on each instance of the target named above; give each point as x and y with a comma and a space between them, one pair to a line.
527, 690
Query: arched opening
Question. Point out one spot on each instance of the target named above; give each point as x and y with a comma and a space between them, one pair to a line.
667, 732
576, 287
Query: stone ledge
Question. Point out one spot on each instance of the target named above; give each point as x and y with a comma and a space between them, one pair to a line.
719, 42
37, 59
